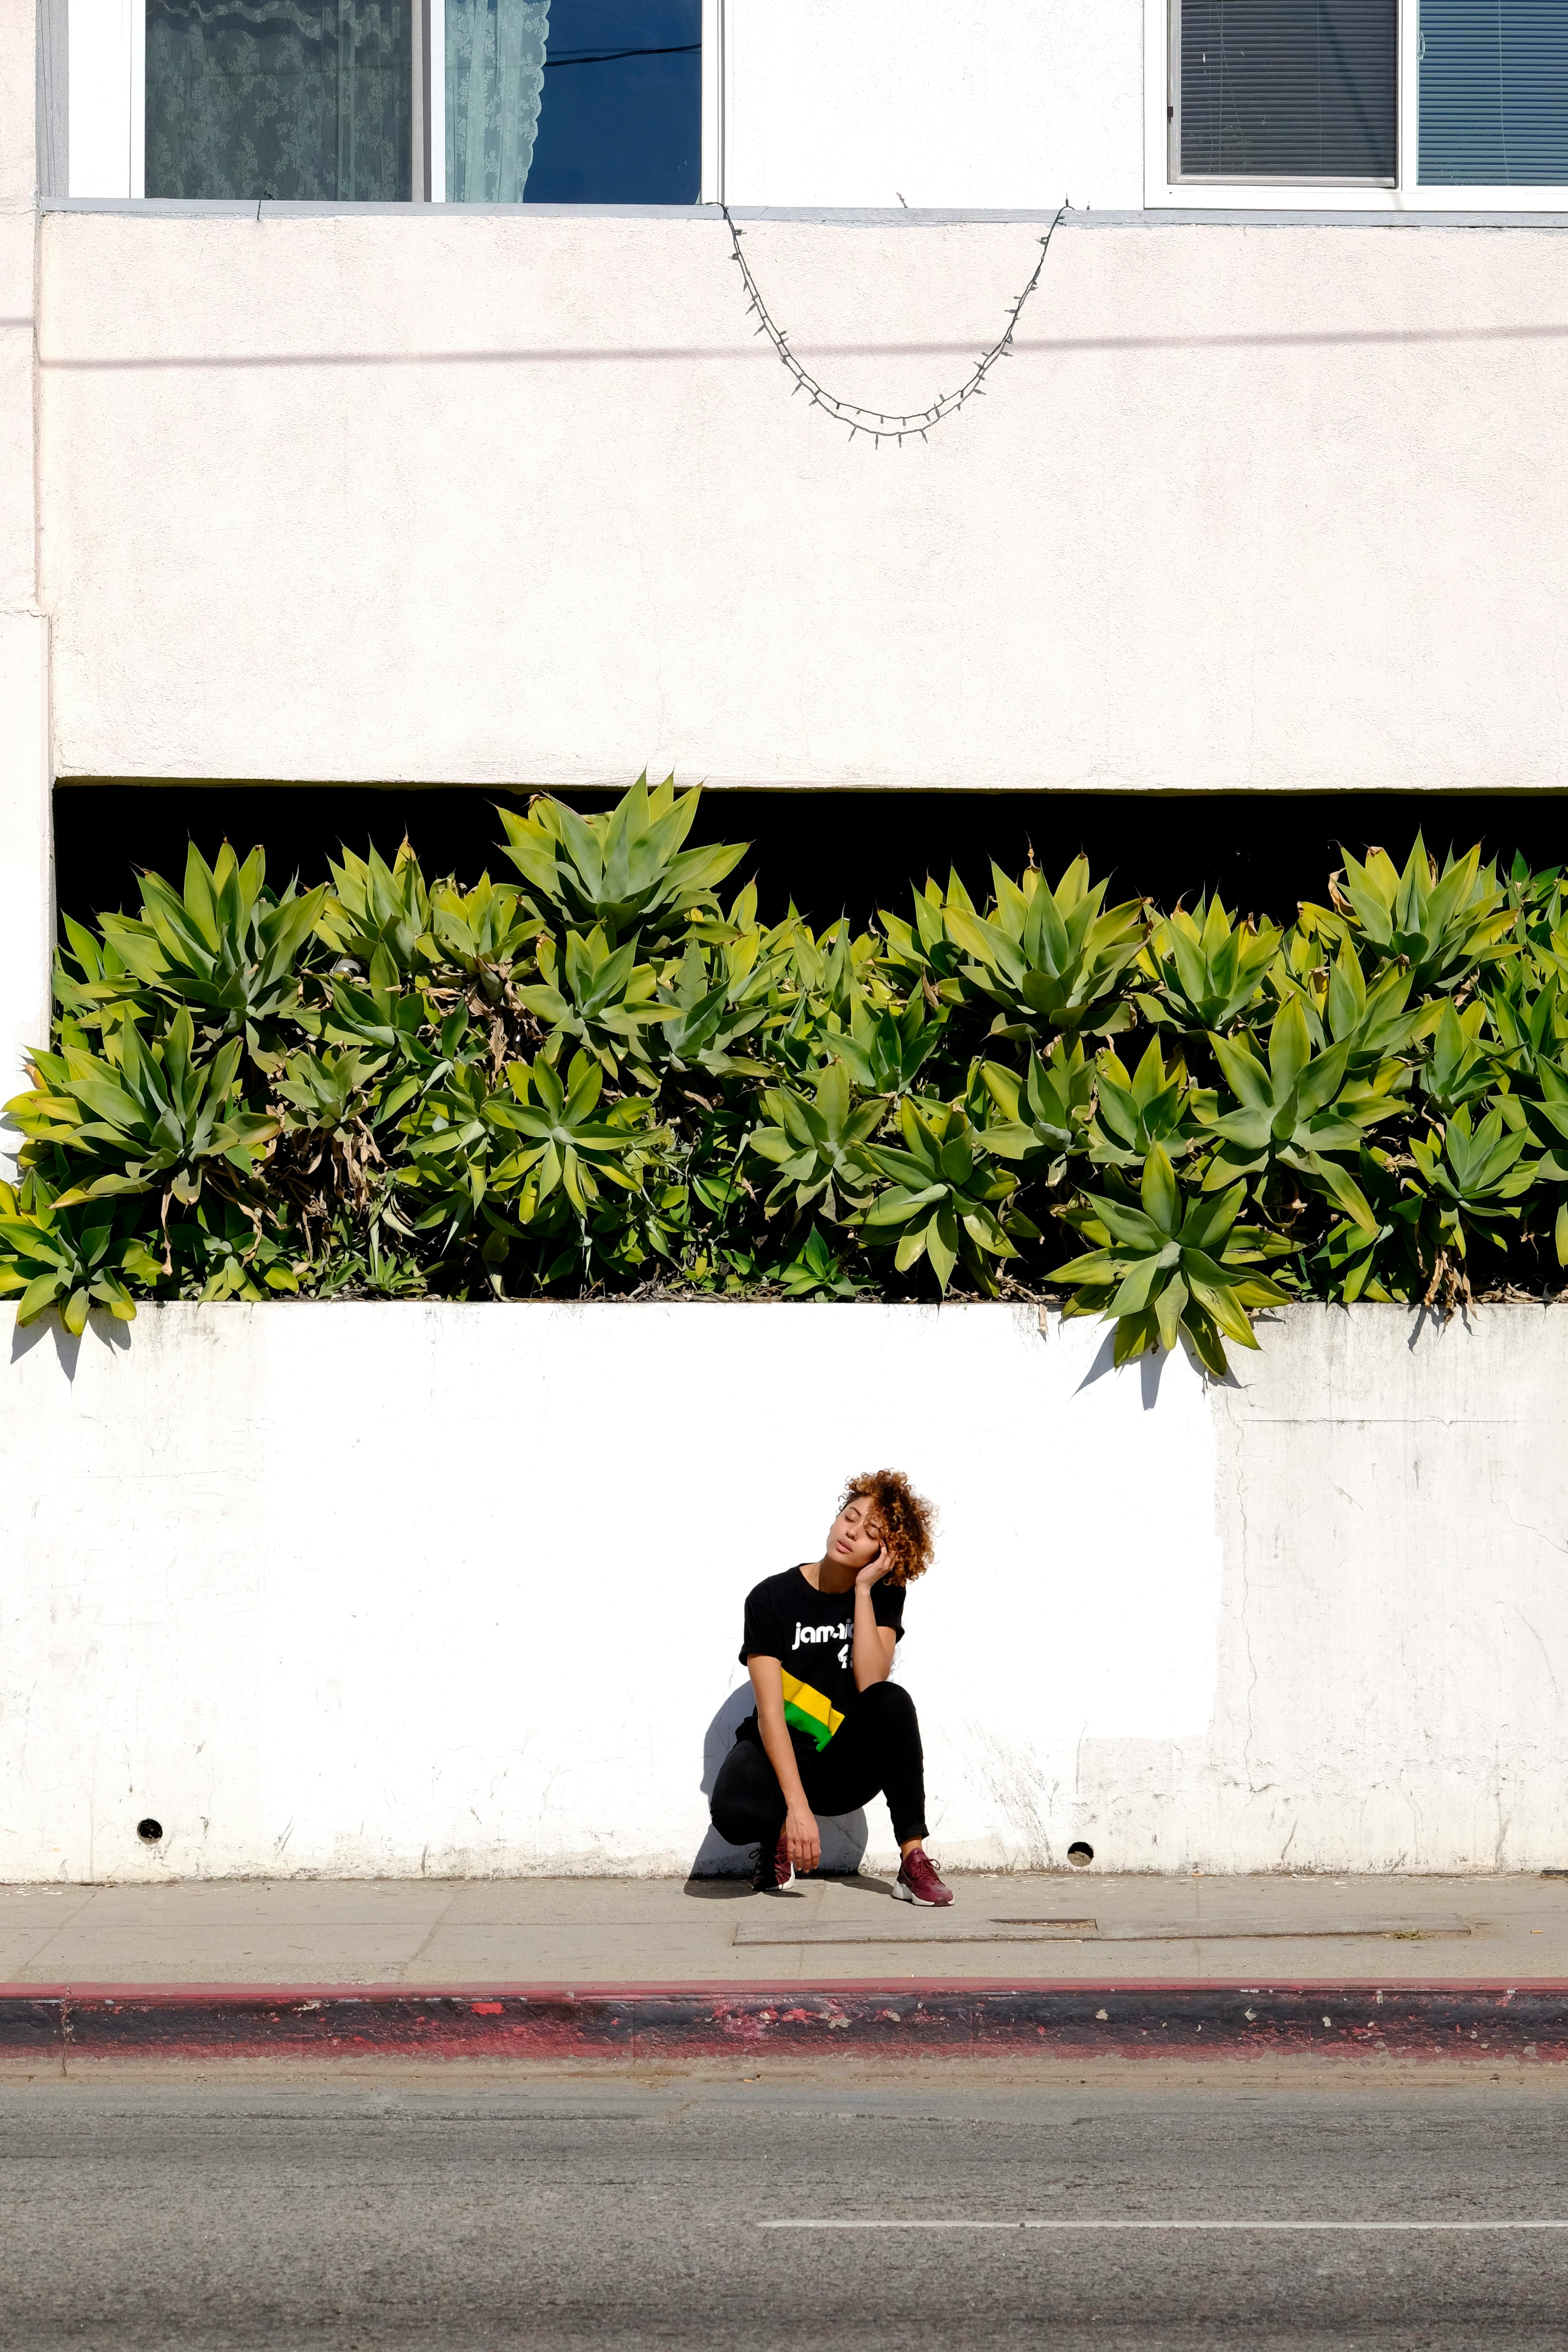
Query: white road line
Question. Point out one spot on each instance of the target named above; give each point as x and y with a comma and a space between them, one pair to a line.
1453, 2226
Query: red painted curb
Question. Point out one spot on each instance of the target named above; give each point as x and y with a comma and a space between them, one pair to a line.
645, 2024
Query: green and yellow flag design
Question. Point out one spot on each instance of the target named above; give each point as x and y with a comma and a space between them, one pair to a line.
806, 1711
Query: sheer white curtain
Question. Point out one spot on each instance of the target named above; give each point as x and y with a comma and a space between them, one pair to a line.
279, 98
495, 79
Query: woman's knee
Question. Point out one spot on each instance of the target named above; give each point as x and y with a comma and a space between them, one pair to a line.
891, 1701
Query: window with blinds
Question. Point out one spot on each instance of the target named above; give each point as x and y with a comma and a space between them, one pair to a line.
1494, 93
1286, 89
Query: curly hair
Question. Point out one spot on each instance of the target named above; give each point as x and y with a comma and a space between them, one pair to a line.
907, 1520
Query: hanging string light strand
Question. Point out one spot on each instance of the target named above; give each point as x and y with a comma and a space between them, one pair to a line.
881, 425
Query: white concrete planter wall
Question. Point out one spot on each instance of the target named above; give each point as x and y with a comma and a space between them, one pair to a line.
352, 1589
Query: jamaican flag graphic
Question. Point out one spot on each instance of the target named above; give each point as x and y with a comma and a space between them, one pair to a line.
806, 1711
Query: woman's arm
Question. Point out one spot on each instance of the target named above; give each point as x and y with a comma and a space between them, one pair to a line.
872, 1654
803, 1841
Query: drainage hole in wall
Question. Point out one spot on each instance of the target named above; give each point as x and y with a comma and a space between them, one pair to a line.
149, 1831
1080, 1855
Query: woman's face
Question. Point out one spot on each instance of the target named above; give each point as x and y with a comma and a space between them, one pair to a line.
855, 1537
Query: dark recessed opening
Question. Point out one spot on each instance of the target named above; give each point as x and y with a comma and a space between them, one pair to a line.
1079, 1855
832, 852
149, 1831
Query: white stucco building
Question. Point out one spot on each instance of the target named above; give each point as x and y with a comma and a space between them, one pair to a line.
371, 412
468, 492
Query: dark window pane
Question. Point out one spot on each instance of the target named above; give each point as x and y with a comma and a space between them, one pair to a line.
1494, 93
292, 99
621, 119
1288, 89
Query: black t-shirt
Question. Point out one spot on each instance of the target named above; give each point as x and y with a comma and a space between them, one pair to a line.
811, 1635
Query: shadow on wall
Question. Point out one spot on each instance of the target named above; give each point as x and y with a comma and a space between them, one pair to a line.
843, 1835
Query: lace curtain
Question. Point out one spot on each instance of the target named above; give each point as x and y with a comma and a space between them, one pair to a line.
291, 99
495, 79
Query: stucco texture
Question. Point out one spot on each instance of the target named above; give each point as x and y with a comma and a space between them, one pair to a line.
513, 498
361, 1590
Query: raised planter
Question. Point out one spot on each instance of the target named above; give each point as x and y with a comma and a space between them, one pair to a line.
381, 1589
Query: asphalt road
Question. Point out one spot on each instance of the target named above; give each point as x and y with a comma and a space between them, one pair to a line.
457, 2214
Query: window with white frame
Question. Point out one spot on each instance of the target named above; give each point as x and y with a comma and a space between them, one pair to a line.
387, 102
1494, 93
1286, 90
1433, 102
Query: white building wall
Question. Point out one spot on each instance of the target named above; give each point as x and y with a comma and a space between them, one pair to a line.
458, 1588
505, 498
27, 911
938, 102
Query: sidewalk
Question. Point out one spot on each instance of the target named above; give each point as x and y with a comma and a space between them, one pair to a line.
1068, 1926
623, 1967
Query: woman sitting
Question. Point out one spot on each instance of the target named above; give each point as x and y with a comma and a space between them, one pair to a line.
830, 1729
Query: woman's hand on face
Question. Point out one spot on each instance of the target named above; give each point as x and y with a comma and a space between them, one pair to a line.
875, 1569
803, 1840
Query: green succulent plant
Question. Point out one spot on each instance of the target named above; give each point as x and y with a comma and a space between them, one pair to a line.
1442, 927
948, 1201
1045, 1112
620, 872
1152, 1105
157, 1117
818, 1146
1171, 1262
1207, 968
596, 1078
1467, 1179
73, 1259
1053, 962
224, 953
595, 998
1297, 1106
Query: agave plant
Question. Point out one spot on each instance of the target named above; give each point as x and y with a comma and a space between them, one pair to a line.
620, 872
1297, 1106
595, 999
157, 1118
818, 1146
1443, 928
1208, 969
1355, 1254
1372, 1024
223, 952
372, 905
947, 1201
1467, 1179
392, 1095
1170, 1262
1152, 1105
1458, 1070
709, 1015
1052, 962
1044, 1114
562, 1143
816, 1271
330, 1105
886, 1048
70, 1257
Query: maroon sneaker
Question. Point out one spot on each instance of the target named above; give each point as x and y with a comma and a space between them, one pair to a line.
775, 1870
917, 1882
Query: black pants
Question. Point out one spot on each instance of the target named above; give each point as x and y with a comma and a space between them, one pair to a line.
877, 1746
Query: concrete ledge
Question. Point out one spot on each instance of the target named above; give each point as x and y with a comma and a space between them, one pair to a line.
640, 2025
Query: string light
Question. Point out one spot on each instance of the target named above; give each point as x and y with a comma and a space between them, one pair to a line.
881, 425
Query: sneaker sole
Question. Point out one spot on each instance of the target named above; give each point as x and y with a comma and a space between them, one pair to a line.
906, 1895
